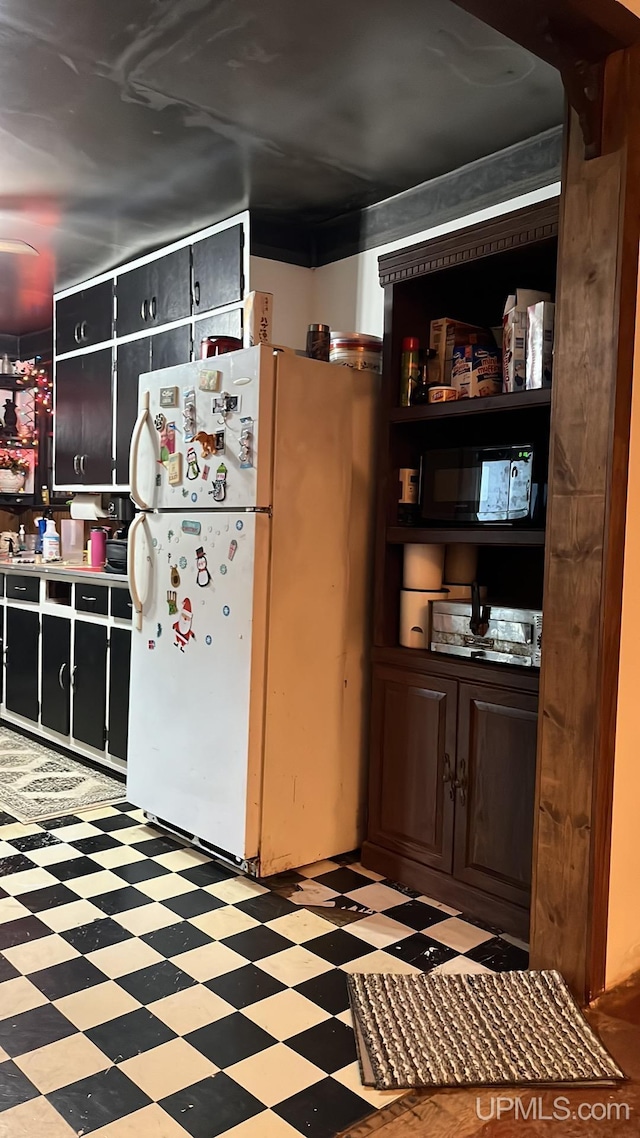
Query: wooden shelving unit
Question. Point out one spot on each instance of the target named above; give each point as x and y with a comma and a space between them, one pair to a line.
405, 535
491, 404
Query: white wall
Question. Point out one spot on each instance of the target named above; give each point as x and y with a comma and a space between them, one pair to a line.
346, 294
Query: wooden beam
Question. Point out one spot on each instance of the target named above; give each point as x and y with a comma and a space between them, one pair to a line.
590, 422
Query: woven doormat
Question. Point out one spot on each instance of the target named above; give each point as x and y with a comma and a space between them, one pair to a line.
493, 1029
37, 783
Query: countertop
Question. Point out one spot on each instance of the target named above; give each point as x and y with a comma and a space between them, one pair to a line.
64, 572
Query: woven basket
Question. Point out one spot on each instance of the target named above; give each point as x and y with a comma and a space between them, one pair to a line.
12, 481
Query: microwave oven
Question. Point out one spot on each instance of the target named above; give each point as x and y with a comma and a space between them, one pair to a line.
488, 485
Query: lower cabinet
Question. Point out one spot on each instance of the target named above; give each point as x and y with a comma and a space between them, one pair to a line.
56, 674
21, 678
90, 684
119, 661
452, 788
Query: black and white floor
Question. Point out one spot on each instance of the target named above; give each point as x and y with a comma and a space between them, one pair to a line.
149, 992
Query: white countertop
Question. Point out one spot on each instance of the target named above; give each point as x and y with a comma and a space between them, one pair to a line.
64, 572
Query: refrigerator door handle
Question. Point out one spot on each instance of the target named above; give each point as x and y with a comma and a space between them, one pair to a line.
131, 571
141, 423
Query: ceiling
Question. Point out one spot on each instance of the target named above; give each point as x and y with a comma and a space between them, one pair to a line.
125, 124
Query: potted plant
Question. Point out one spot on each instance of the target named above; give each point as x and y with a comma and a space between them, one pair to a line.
13, 472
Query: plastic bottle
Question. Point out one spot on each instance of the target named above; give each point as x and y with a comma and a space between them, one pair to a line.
22, 545
409, 369
420, 393
51, 542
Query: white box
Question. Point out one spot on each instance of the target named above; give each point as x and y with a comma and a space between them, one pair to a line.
258, 319
514, 338
540, 322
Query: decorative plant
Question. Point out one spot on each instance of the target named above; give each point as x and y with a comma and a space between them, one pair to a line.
14, 462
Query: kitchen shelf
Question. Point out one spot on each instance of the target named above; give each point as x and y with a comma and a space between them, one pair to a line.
515, 401
17, 444
483, 535
459, 667
8, 381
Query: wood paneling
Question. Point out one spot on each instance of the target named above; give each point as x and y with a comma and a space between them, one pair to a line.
596, 300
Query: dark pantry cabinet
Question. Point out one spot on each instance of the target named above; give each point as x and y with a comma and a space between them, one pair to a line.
83, 415
56, 673
21, 667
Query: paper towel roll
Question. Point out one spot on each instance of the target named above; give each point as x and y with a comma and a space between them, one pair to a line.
461, 564
88, 507
415, 616
423, 567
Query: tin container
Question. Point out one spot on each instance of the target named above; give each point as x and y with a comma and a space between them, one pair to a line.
442, 394
319, 342
356, 350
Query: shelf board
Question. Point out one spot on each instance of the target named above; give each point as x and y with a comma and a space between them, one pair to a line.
8, 381
483, 535
516, 401
17, 444
459, 667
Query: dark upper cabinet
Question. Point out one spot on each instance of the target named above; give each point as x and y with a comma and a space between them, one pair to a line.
132, 361
56, 673
414, 740
496, 773
23, 634
218, 324
217, 269
83, 416
154, 294
84, 318
171, 348
119, 661
89, 684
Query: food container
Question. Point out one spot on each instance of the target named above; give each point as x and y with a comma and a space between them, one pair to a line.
72, 534
423, 565
218, 346
356, 350
442, 394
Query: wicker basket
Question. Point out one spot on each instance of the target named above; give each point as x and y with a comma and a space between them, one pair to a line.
12, 481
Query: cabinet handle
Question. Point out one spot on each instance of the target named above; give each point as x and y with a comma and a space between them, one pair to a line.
92, 599
447, 776
144, 310
73, 676
76, 464
20, 588
61, 676
154, 308
83, 331
83, 459
77, 333
196, 293
460, 784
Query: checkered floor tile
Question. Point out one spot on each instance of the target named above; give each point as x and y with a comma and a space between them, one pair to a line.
149, 992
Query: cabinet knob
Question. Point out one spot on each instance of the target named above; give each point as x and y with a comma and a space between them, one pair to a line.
196, 293
460, 784
447, 776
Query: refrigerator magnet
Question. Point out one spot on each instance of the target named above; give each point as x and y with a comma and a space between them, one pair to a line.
159, 631
168, 396
189, 413
175, 577
233, 549
151, 644
182, 563
205, 473
174, 469
193, 467
171, 602
203, 576
226, 611
223, 569
219, 491
182, 626
208, 641
209, 379
160, 421
189, 526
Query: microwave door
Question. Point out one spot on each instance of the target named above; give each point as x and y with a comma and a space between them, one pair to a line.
520, 488
493, 504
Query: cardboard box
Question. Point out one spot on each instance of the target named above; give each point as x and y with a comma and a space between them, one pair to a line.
514, 337
258, 319
540, 321
444, 334
476, 370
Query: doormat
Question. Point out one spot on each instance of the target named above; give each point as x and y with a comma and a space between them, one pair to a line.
37, 783
490, 1029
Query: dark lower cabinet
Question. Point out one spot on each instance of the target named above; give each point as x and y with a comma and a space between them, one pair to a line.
90, 684
452, 790
119, 660
23, 635
414, 733
496, 770
56, 673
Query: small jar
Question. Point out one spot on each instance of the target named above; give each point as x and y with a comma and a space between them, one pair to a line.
356, 350
318, 342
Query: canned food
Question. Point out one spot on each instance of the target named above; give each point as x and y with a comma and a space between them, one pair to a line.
356, 350
442, 394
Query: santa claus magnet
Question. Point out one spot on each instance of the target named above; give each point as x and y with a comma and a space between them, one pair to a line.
182, 627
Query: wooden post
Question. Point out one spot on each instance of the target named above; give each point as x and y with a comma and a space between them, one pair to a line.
596, 313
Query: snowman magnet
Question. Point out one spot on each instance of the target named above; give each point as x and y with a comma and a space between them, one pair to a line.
203, 576
219, 491
193, 467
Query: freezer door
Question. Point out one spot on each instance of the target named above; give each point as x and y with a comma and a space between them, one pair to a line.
203, 436
196, 689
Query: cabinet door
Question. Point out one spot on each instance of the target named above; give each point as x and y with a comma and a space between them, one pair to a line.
133, 295
68, 421
119, 660
170, 297
496, 773
96, 414
56, 673
23, 634
90, 684
217, 269
171, 348
219, 324
413, 748
84, 318
132, 361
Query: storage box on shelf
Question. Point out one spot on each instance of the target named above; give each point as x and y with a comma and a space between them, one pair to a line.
454, 739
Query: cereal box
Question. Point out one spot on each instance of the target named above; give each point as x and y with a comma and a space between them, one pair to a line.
476, 370
514, 337
444, 334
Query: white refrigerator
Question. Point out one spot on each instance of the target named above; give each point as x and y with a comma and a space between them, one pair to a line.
249, 570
